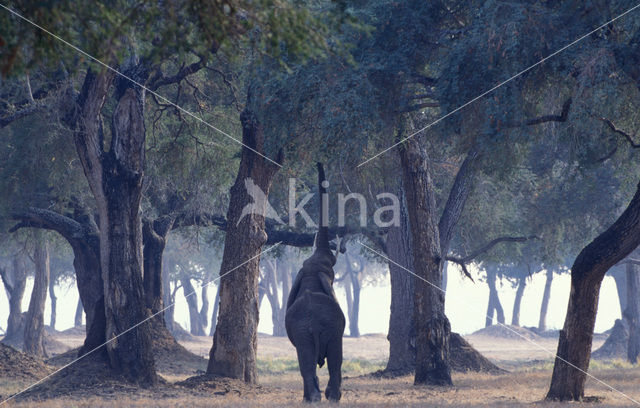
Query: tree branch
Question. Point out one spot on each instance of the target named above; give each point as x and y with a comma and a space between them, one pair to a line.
70, 229
562, 117
485, 248
628, 261
21, 113
460, 191
620, 132
160, 80
553, 118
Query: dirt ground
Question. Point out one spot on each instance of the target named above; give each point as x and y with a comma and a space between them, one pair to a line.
525, 384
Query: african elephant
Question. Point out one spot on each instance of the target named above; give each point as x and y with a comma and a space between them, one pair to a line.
314, 321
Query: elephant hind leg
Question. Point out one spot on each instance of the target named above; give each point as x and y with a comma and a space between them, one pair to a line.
334, 364
307, 364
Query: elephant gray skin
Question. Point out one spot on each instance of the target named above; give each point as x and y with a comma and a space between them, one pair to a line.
314, 321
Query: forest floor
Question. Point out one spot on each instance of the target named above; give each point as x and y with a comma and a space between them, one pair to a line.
525, 384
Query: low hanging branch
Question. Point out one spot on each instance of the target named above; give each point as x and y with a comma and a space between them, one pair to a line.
487, 247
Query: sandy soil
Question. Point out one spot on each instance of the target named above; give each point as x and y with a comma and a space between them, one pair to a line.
280, 385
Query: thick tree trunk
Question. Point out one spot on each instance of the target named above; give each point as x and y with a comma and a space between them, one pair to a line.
632, 312
402, 353
115, 178
15, 282
77, 321
214, 313
235, 340
542, 323
54, 303
34, 322
432, 326
189, 292
494, 300
587, 272
522, 284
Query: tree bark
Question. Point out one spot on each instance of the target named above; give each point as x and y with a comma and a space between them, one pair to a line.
34, 322
15, 282
235, 340
402, 354
54, 303
522, 284
432, 326
494, 300
77, 321
632, 312
587, 273
115, 178
542, 323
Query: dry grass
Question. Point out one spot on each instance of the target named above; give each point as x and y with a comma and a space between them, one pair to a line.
280, 384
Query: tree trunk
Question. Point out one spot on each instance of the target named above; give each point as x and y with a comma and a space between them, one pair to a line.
542, 323
82, 234
34, 322
587, 272
168, 298
620, 277
204, 309
494, 300
522, 284
214, 314
54, 303
235, 340
272, 272
354, 310
77, 321
154, 238
432, 326
632, 312
189, 292
115, 178
15, 282
401, 333
86, 263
